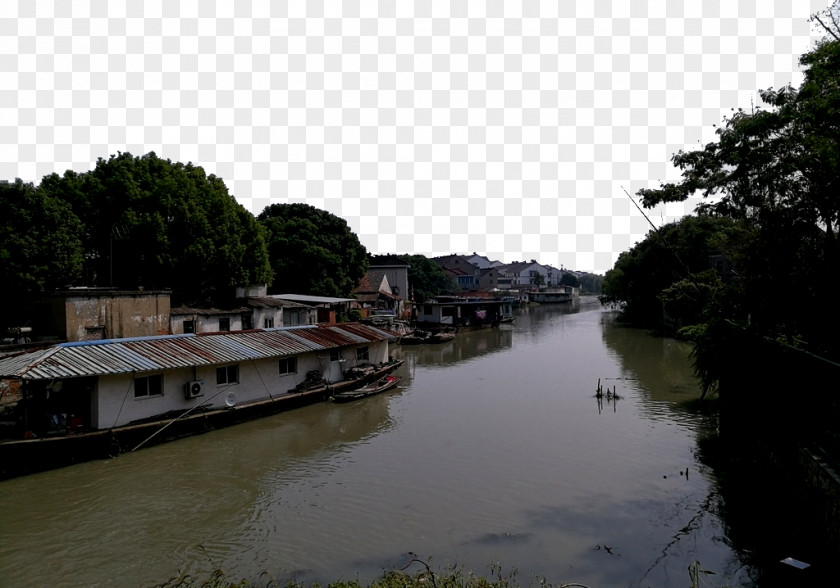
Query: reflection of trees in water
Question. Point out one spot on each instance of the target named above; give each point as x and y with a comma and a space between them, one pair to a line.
660, 370
657, 366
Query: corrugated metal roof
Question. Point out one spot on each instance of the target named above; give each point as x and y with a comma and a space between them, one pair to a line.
146, 354
308, 299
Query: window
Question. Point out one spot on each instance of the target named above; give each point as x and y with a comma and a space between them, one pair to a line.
147, 386
246, 322
335, 355
362, 354
189, 326
268, 323
224, 324
94, 333
228, 374
291, 318
288, 365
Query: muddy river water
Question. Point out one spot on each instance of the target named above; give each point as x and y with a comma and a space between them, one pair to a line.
494, 450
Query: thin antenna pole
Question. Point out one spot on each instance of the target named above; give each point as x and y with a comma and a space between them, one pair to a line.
656, 230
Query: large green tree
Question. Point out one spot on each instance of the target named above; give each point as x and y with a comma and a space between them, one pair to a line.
774, 170
40, 241
154, 223
312, 251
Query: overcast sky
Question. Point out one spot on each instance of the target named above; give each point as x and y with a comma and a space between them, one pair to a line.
504, 128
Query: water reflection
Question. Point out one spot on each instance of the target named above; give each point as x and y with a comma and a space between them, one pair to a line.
654, 368
468, 345
179, 507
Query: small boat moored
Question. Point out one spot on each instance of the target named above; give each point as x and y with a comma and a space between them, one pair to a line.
381, 385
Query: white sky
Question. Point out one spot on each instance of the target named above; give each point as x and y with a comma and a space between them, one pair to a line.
503, 128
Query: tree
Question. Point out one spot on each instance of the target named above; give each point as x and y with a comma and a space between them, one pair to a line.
829, 21
570, 279
774, 171
591, 283
427, 279
312, 251
152, 223
673, 253
40, 241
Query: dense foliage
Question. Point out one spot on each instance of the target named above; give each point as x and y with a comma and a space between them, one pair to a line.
151, 223
773, 173
570, 279
673, 253
40, 240
426, 278
40, 246
312, 251
590, 283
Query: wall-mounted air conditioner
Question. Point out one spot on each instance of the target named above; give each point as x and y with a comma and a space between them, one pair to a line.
194, 389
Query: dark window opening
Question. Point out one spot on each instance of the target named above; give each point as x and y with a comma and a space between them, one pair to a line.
147, 386
228, 374
288, 365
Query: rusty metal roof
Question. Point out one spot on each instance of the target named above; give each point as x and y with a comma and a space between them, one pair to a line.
149, 354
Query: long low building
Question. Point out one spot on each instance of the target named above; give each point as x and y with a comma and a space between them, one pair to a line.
101, 385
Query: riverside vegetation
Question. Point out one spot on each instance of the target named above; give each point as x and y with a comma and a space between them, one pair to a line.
425, 577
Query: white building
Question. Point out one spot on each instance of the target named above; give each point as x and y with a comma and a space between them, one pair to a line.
111, 383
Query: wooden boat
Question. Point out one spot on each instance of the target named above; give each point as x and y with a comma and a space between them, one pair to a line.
377, 387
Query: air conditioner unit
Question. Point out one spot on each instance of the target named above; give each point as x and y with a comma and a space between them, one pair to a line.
194, 389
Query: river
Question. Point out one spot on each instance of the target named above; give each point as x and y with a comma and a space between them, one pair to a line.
494, 450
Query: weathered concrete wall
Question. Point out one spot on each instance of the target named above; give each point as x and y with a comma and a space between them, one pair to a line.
819, 484
114, 315
204, 323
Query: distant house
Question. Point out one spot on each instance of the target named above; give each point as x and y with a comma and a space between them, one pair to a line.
463, 274
490, 279
188, 319
374, 294
525, 275
463, 312
553, 276
396, 272
328, 309
482, 262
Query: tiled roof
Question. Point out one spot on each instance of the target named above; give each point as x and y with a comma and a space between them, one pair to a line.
148, 354
370, 282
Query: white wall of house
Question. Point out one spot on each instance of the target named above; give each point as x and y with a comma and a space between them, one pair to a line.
525, 276
114, 402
